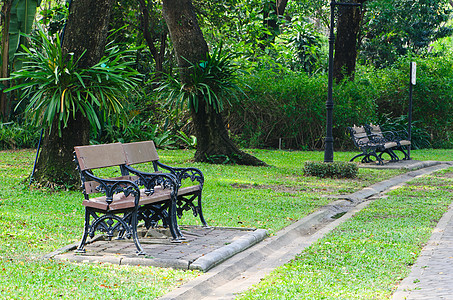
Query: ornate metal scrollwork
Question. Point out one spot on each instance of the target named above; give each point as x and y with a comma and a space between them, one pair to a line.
183, 173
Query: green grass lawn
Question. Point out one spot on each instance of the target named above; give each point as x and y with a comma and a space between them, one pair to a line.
367, 256
35, 222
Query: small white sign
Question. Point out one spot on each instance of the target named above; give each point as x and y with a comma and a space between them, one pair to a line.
413, 72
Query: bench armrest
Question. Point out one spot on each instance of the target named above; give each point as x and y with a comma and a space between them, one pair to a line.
389, 135
193, 174
378, 138
110, 187
151, 180
401, 135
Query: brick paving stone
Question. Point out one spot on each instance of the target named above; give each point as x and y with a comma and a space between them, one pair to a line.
432, 274
199, 242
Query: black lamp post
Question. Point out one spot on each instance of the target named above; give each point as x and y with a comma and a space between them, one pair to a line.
328, 153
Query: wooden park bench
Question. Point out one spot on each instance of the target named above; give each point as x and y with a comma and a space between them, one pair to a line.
371, 147
399, 137
189, 192
117, 204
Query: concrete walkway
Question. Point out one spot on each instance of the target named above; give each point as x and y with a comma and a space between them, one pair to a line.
234, 259
432, 274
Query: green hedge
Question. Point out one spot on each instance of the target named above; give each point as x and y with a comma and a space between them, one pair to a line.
432, 96
338, 169
292, 107
289, 109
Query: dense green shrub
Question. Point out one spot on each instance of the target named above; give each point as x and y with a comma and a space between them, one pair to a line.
338, 169
288, 109
432, 96
420, 137
292, 107
148, 119
16, 136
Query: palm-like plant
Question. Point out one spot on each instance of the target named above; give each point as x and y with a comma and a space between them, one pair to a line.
56, 88
212, 80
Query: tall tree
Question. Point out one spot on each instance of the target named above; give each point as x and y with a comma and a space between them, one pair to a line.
5, 17
85, 33
141, 22
153, 34
346, 42
393, 28
272, 11
213, 142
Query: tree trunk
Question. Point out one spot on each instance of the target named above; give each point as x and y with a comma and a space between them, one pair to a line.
348, 26
281, 6
6, 16
213, 142
185, 33
151, 37
56, 165
86, 30
272, 10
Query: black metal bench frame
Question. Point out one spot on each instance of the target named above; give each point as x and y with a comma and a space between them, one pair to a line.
188, 197
399, 137
371, 147
122, 201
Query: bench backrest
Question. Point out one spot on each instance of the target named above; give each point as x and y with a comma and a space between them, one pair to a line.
375, 130
96, 157
140, 152
100, 156
359, 134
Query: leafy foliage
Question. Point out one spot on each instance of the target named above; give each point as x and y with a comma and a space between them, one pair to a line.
16, 136
55, 87
308, 48
419, 136
334, 170
143, 130
22, 17
291, 107
432, 105
54, 17
394, 28
212, 80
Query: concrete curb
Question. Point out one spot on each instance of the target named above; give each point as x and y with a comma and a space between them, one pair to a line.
220, 255
203, 263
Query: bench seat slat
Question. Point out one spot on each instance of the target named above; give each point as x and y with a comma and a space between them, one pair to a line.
121, 202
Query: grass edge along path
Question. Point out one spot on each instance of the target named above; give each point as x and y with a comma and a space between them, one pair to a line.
367, 256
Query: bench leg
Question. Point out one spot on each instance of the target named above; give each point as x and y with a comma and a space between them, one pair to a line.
134, 222
126, 226
393, 156
378, 158
200, 211
186, 203
406, 156
173, 223
358, 155
81, 248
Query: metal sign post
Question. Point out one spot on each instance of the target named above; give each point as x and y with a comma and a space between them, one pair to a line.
413, 80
